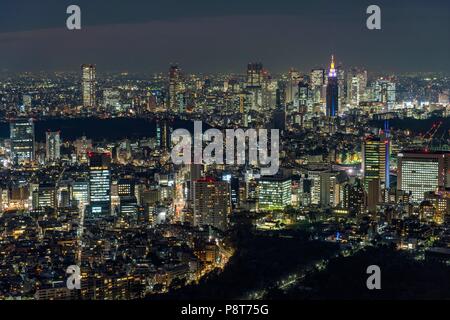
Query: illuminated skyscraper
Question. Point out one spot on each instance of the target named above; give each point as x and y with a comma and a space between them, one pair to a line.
254, 74
384, 92
45, 196
374, 160
332, 91
175, 87
356, 87
80, 192
420, 172
274, 193
22, 141
100, 183
212, 203
354, 198
88, 85
317, 82
292, 86
52, 146
163, 134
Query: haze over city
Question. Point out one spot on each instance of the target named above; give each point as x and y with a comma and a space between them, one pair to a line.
221, 36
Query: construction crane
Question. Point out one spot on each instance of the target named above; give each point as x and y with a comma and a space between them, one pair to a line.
428, 136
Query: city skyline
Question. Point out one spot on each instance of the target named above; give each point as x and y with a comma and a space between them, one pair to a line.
224, 150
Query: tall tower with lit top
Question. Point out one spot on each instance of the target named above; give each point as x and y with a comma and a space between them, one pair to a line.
332, 91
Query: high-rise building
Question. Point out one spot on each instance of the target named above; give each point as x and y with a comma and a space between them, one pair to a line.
332, 106
421, 171
175, 87
80, 192
274, 193
163, 134
212, 203
52, 146
356, 87
88, 85
354, 197
375, 166
254, 74
384, 92
292, 86
125, 188
45, 196
22, 141
254, 85
304, 95
317, 82
100, 183
331, 188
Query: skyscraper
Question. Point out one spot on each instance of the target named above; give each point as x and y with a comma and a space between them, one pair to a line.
356, 86
175, 87
80, 192
354, 197
374, 160
384, 92
254, 74
22, 141
317, 84
212, 203
420, 172
45, 196
332, 107
100, 183
52, 146
274, 193
88, 85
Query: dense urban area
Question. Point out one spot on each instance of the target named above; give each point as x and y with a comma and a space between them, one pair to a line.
87, 179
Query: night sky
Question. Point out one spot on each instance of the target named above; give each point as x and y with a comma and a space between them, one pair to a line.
223, 36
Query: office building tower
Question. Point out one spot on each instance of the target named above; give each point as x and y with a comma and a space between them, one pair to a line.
373, 194
384, 91
292, 87
22, 141
125, 188
80, 192
317, 83
175, 87
279, 118
420, 172
100, 183
163, 134
304, 95
45, 196
374, 164
52, 146
128, 206
331, 188
274, 193
88, 85
254, 75
332, 102
211, 203
354, 198
356, 87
